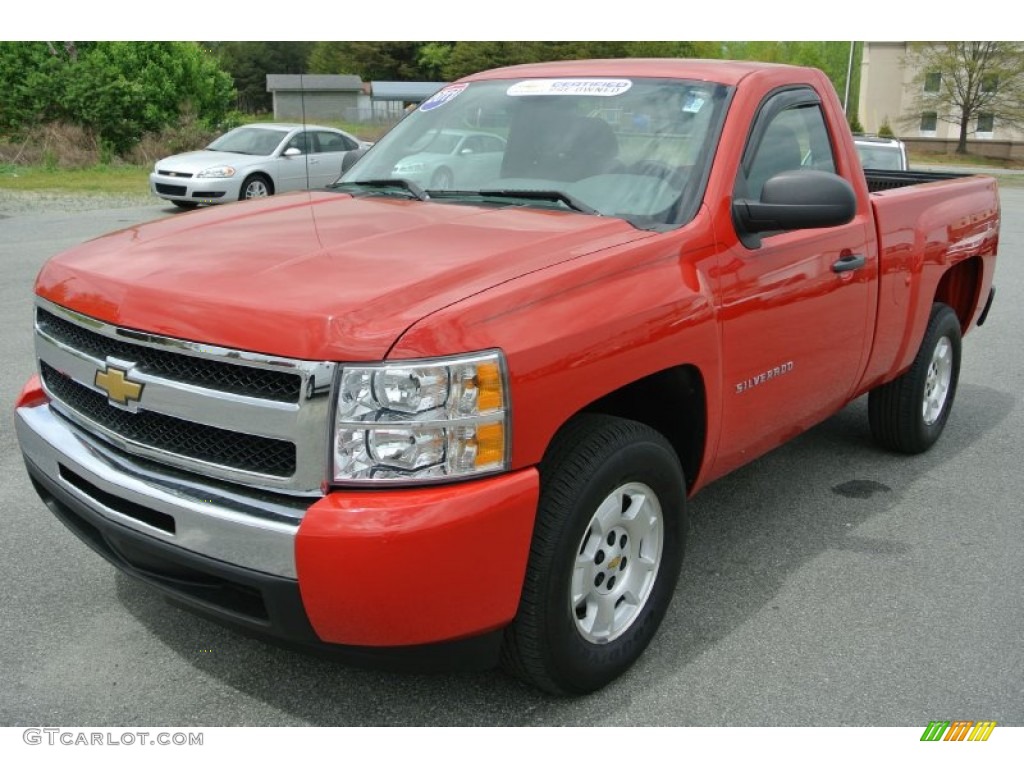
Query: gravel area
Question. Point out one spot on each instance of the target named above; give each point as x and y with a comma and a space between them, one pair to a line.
22, 202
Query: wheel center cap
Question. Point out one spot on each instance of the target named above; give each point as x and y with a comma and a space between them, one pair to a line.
614, 562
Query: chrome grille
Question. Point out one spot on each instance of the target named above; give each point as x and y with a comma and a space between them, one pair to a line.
166, 433
252, 382
227, 414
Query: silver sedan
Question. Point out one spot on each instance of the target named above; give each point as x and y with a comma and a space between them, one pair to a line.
254, 161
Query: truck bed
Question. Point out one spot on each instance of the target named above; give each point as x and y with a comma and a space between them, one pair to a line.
879, 181
924, 231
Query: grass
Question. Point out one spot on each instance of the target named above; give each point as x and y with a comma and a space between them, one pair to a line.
65, 158
133, 179
979, 161
364, 131
101, 179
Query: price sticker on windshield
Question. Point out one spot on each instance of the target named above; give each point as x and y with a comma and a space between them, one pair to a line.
580, 86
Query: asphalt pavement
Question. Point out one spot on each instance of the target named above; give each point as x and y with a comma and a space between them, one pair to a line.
828, 583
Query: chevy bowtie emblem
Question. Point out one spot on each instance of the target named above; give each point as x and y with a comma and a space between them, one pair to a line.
114, 382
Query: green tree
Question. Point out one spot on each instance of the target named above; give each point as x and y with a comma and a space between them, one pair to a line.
124, 89
432, 59
833, 58
964, 82
117, 89
369, 60
469, 56
249, 63
32, 80
325, 58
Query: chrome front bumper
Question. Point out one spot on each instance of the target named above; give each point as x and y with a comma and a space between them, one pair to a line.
253, 530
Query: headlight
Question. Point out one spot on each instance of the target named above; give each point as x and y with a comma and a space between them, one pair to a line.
219, 172
410, 168
424, 420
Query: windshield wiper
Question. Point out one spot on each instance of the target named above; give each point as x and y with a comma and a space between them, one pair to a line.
551, 195
411, 188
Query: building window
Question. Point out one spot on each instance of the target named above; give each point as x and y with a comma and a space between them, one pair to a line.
932, 81
989, 83
986, 123
929, 121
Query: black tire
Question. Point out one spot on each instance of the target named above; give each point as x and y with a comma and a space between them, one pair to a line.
596, 466
908, 414
256, 186
442, 179
184, 205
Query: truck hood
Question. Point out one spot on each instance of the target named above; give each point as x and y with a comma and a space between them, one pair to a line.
317, 276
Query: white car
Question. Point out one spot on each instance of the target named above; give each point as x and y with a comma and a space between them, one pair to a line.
452, 159
254, 160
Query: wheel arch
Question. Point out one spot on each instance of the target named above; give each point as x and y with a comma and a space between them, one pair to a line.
262, 175
443, 169
960, 289
673, 402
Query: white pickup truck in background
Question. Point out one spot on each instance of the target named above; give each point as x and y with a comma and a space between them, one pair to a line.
880, 153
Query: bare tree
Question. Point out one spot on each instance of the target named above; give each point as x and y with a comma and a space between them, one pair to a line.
967, 82
69, 48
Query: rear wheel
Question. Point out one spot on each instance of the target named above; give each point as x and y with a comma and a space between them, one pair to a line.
909, 413
255, 186
605, 558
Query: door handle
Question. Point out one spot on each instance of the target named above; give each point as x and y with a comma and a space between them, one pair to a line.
848, 263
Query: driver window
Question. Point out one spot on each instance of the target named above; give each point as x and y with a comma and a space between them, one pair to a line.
299, 141
795, 138
470, 146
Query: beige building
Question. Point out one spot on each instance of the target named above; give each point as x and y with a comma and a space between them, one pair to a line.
888, 86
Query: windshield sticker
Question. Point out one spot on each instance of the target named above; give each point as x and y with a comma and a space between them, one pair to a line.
693, 103
586, 86
443, 96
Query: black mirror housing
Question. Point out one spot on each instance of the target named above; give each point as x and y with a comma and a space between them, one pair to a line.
800, 199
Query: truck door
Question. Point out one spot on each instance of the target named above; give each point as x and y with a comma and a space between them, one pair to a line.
794, 308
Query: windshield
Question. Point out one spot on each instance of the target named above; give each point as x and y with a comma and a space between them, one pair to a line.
637, 149
248, 140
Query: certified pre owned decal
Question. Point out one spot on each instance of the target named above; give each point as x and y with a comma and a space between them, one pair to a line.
443, 96
580, 86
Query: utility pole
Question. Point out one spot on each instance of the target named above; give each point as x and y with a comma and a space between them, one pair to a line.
849, 76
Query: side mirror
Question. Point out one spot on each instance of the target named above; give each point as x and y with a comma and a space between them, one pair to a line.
292, 152
803, 199
351, 157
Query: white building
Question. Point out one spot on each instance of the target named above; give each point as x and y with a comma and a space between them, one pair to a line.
889, 85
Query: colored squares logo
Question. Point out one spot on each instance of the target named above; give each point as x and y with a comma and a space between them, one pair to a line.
958, 730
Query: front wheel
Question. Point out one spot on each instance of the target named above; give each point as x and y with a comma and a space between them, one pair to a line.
442, 179
909, 413
605, 558
255, 187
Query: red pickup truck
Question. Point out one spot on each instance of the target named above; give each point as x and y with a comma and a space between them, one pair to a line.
453, 405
